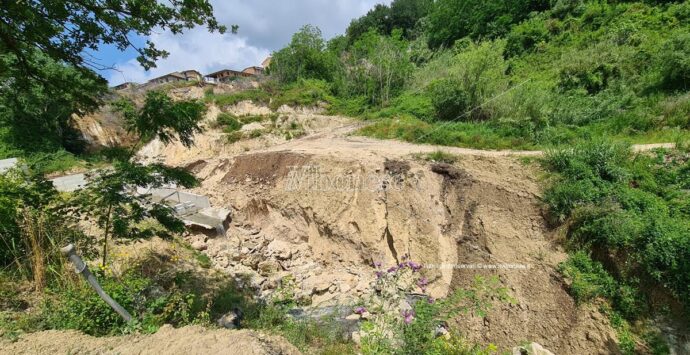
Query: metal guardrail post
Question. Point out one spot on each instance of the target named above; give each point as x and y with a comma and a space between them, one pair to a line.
81, 268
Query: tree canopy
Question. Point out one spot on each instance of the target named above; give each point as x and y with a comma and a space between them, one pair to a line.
46, 70
63, 30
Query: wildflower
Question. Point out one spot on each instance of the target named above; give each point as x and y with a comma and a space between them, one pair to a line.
408, 316
360, 310
392, 269
379, 274
377, 264
414, 266
422, 283
405, 257
431, 300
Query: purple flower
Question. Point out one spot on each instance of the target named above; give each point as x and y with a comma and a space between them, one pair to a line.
377, 264
422, 283
379, 274
360, 310
414, 266
408, 316
392, 269
405, 257
431, 300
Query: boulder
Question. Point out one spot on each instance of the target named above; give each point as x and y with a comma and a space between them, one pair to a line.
268, 267
281, 250
199, 245
254, 126
531, 349
230, 320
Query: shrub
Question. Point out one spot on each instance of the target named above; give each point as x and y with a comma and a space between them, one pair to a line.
626, 209
228, 122
450, 20
591, 77
234, 137
449, 100
305, 57
563, 8
675, 61
392, 328
526, 36
305, 93
79, 307
588, 279
377, 68
468, 81
417, 105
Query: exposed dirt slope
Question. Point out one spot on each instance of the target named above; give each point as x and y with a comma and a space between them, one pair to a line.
324, 207
187, 340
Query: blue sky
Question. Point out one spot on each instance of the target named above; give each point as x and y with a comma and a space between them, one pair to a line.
265, 26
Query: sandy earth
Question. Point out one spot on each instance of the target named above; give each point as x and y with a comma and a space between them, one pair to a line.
323, 208
187, 340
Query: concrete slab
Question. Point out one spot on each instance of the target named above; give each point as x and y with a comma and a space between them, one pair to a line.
69, 183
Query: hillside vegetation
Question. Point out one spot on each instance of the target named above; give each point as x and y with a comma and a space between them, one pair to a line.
523, 74
582, 79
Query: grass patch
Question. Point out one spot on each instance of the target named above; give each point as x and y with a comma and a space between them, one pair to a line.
234, 137
258, 96
456, 134
490, 135
303, 93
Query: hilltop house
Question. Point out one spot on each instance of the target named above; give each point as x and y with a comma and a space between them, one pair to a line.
254, 70
186, 75
192, 75
125, 85
226, 75
266, 62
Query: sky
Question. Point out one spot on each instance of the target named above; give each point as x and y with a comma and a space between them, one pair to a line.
264, 26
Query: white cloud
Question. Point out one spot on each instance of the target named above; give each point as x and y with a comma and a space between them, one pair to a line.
265, 26
196, 49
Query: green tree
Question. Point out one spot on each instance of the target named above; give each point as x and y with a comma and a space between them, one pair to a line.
63, 30
401, 14
451, 20
112, 196
35, 117
465, 89
378, 67
377, 19
46, 74
305, 57
162, 118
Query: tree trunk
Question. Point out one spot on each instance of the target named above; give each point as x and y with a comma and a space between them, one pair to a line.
105, 236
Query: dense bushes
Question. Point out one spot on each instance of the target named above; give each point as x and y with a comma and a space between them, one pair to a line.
450, 20
383, 19
526, 36
450, 101
20, 196
593, 78
675, 61
631, 208
577, 72
305, 57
